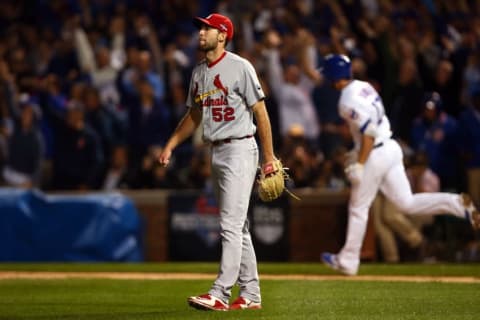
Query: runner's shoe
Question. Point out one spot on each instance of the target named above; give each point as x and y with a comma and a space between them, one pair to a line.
207, 302
471, 212
331, 261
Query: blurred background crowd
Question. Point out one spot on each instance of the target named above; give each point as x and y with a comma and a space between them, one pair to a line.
91, 90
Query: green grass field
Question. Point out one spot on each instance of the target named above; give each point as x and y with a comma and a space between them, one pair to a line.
282, 299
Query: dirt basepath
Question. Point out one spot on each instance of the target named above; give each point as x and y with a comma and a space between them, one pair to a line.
202, 276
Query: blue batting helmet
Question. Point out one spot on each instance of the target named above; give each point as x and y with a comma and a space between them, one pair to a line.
336, 67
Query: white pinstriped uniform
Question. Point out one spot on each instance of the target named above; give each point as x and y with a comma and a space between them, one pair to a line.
225, 90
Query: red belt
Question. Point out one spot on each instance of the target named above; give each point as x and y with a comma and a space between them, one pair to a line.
228, 140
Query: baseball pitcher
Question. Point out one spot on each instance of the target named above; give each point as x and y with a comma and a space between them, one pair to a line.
224, 97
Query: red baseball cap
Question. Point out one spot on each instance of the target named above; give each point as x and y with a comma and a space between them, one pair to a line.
217, 21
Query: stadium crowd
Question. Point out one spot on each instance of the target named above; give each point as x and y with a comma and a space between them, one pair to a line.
90, 90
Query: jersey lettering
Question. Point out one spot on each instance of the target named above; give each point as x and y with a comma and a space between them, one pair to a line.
216, 114
228, 114
378, 105
220, 101
220, 114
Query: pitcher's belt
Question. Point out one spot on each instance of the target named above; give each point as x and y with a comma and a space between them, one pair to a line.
228, 140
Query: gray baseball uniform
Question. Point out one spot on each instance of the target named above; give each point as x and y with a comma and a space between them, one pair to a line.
225, 90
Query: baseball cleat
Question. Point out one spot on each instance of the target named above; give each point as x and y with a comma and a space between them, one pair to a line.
243, 303
207, 302
331, 260
471, 212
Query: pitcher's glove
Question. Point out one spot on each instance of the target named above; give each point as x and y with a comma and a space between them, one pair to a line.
271, 182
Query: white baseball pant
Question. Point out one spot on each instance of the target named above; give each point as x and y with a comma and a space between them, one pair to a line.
384, 170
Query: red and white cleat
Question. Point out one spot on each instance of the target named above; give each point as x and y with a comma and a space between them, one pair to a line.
243, 303
207, 302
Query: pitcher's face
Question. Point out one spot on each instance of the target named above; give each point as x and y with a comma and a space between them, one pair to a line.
208, 38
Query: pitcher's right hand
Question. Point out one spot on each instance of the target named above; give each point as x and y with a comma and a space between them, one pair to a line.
164, 157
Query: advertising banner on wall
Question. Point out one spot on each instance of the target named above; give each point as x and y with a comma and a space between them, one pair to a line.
194, 228
269, 229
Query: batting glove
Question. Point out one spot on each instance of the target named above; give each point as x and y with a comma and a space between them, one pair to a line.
350, 158
354, 172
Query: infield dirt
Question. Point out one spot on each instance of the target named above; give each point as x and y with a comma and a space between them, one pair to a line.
46, 275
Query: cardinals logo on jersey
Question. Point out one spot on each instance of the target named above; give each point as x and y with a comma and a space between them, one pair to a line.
218, 83
205, 98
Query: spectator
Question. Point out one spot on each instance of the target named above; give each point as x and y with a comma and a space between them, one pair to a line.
22, 143
151, 174
54, 96
435, 132
400, 49
197, 174
332, 175
443, 82
469, 126
25, 147
98, 62
78, 156
117, 175
149, 123
106, 124
381, 32
180, 58
391, 224
292, 90
63, 61
300, 158
143, 70
408, 91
